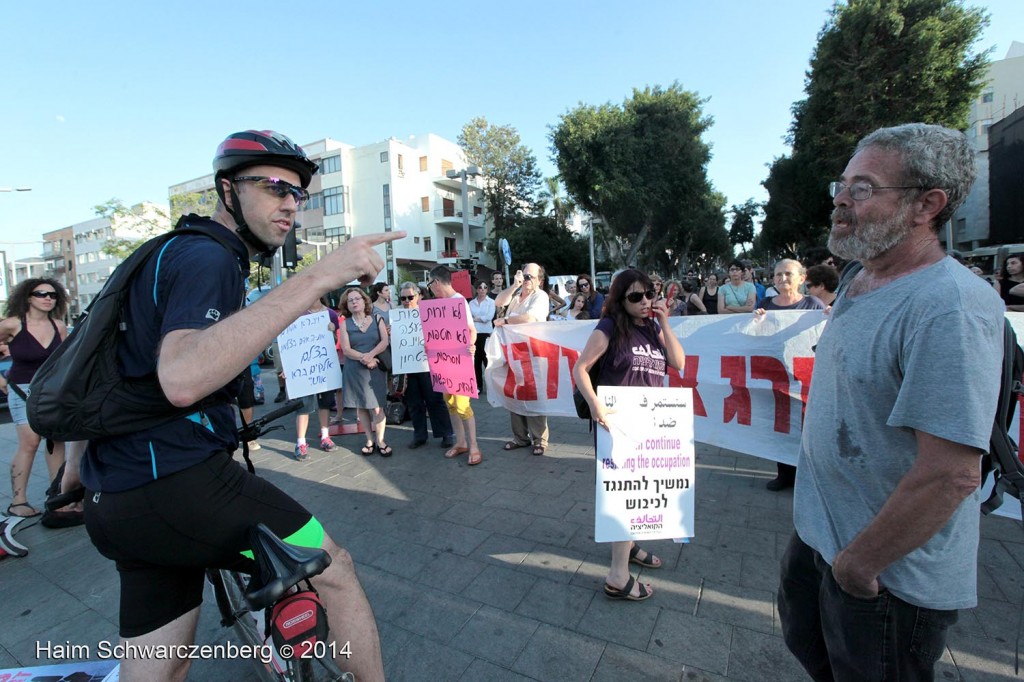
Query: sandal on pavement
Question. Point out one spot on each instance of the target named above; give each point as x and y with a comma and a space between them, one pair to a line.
368, 449
538, 450
512, 445
455, 452
649, 561
26, 505
625, 592
384, 450
475, 457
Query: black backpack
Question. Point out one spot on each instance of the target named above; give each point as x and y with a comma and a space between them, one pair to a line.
79, 393
1002, 461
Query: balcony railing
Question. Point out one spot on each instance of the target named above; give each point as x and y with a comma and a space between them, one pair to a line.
451, 215
458, 255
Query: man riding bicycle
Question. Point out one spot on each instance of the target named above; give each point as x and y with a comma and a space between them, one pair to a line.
168, 502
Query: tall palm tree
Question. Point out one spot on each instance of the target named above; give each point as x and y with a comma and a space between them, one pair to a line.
561, 206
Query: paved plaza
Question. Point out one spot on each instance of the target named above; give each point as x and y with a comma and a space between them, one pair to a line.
491, 573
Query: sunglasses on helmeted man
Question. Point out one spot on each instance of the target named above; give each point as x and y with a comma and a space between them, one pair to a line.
636, 296
276, 186
44, 294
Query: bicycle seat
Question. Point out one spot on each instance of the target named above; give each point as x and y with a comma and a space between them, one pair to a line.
279, 566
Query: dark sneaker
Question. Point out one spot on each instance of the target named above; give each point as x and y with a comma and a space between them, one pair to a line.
302, 452
417, 444
448, 441
281, 397
326, 444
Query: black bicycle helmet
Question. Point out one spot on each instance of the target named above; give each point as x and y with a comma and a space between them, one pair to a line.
257, 148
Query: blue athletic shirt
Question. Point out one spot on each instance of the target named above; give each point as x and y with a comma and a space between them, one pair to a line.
190, 283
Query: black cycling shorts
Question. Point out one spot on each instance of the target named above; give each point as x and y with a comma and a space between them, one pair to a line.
165, 534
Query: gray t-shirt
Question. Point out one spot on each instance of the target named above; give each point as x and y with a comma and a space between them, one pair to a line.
921, 353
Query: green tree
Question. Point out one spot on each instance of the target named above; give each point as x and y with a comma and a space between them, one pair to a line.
541, 239
511, 177
552, 202
877, 63
642, 168
742, 229
200, 203
136, 224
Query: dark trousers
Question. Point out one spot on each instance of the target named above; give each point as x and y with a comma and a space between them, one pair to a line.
839, 637
480, 359
421, 399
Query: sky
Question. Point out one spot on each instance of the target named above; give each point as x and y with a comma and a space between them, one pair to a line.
113, 99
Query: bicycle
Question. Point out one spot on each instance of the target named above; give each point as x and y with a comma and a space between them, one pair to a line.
262, 607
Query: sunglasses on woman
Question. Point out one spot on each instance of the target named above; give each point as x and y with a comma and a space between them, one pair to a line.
405, 299
636, 296
44, 294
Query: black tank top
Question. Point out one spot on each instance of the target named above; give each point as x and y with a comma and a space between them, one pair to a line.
28, 355
710, 301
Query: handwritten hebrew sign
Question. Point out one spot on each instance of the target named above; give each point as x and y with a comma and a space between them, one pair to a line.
446, 336
308, 356
645, 465
408, 354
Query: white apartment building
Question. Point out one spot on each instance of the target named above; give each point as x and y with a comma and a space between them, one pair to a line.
92, 265
1002, 94
385, 186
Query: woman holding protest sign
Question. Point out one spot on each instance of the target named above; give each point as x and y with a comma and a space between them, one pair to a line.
364, 337
632, 349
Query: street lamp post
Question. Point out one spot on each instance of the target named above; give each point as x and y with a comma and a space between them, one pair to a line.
464, 175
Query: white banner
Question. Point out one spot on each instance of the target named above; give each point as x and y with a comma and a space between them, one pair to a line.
750, 376
308, 356
408, 353
645, 465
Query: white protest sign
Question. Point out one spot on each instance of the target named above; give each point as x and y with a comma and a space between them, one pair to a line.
645, 464
308, 356
408, 354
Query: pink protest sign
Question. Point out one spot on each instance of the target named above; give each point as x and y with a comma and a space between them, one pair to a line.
462, 284
446, 337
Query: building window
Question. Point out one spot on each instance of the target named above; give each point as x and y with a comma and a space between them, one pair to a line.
425, 204
479, 246
477, 210
423, 164
387, 208
316, 200
446, 166
986, 97
426, 243
334, 201
383, 157
332, 164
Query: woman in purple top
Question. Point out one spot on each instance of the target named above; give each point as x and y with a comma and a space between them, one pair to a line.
789, 276
32, 331
633, 350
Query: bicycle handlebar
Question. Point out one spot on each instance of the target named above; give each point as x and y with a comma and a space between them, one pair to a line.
257, 427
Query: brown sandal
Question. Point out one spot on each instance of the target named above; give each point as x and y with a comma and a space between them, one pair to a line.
475, 457
455, 452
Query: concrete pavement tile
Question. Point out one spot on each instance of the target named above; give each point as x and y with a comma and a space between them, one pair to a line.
518, 482
621, 663
392, 640
559, 656
747, 540
757, 573
503, 550
582, 513
550, 531
556, 603
978, 660
989, 586
408, 560
583, 540
716, 564
503, 520
501, 587
967, 625
37, 610
755, 657
52, 645
1001, 527
483, 671
549, 485
551, 507
1000, 619
6, 659
422, 660
775, 520
388, 594
461, 512
436, 615
369, 545
627, 623
495, 635
450, 572
456, 538
739, 606
994, 556
553, 563
690, 640
510, 499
